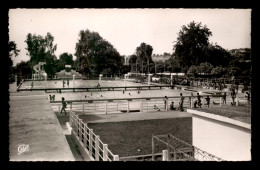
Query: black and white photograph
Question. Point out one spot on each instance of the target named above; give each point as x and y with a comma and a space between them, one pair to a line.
124, 85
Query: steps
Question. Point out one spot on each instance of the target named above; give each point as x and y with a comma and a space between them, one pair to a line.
64, 74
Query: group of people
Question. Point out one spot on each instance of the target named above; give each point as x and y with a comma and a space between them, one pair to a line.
181, 102
64, 82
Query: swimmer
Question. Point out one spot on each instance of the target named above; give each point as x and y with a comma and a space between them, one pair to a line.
85, 96
101, 96
123, 92
138, 92
91, 94
129, 94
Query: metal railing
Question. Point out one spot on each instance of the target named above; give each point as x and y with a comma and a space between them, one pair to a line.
178, 150
96, 149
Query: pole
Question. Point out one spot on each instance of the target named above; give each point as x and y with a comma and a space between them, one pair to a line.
73, 80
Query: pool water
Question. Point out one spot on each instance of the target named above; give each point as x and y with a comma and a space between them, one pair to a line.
77, 84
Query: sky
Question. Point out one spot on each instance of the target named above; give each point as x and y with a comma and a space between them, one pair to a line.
126, 29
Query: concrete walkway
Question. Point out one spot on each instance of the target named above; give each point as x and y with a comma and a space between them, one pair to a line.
120, 117
33, 123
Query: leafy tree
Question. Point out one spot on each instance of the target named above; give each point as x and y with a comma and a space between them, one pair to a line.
193, 70
216, 55
218, 71
13, 51
41, 49
144, 54
96, 55
22, 68
191, 41
65, 59
205, 68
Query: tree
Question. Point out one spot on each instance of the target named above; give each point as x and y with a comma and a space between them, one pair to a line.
205, 68
216, 55
95, 55
13, 51
190, 43
218, 71
193, 70
41, 49
65, 59
144, 56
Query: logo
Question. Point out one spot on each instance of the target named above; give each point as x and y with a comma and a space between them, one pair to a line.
23, 148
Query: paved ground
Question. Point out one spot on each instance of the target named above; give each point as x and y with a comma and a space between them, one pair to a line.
32, 122
133, 116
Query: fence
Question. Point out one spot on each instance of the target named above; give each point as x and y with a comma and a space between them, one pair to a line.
91, 142
178, 150
106, 106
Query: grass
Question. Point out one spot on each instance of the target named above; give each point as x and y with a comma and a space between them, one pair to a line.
241, 113
135, 137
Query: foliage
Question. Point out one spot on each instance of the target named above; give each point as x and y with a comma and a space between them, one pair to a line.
191, 41
96, 55
41, 49
218, 70
13, 51
144, 57
205, 68
64, 59
193, 69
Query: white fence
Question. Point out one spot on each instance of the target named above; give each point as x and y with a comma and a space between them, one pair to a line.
91, 142
106, 106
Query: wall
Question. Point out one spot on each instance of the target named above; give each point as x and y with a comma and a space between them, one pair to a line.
223, 137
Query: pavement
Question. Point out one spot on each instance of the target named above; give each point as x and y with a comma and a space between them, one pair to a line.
34, 130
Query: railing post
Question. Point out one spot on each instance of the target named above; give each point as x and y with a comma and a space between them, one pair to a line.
141, 106
83, 108
97, 148
191, 103
116, 106
80, 130
220, 102
59, 109
116, 158
90, 142
71, 106
85, 135
236, 101
165, 155
105, 152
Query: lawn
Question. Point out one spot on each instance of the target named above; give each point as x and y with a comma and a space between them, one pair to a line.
241, 113
132, 138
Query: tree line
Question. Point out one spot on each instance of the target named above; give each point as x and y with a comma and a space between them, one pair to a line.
192, 54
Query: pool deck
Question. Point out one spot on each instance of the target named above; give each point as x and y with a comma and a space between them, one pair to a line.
32, 122
120, 117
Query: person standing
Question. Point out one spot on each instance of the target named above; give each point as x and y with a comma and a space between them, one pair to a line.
165, 102
224, 97
64, 106
199, 99
233, 96
181, 103
207, 100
